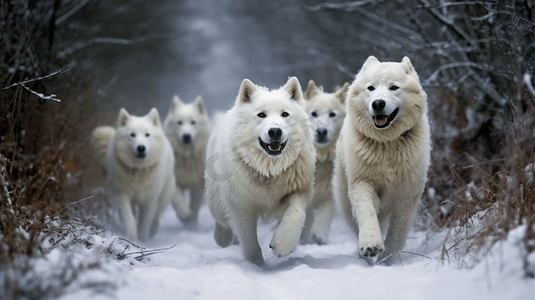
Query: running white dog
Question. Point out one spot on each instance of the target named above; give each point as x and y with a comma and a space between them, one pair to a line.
326, 112
139, 162
260, 163
382, 156
187, 127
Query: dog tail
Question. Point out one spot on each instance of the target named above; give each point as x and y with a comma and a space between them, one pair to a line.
100, 139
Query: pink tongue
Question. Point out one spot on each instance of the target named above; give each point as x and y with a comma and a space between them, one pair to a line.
380, 121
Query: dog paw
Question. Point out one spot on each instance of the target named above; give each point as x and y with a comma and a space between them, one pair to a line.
284, 244
370, 251
318, 240
371, 246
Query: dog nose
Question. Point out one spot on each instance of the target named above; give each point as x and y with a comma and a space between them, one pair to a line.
140, 148
322, 132
186, 138
275, 133
378, 105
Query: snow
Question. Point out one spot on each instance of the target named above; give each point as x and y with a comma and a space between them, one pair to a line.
196, 268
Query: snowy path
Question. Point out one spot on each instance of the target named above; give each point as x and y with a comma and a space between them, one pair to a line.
196, 268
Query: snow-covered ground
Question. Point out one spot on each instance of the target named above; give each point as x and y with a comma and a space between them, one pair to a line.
196, 268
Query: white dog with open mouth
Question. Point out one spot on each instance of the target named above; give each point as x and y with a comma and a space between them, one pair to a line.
382, 156
260, 163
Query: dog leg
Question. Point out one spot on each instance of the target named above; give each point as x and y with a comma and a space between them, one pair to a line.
179, 204
340, 192
196, 195
287, 234
400, 222
323, 218
309, 221
147, 214
245, 224
127, 214
223, 236
364, 203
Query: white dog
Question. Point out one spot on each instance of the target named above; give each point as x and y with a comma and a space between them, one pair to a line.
382, 156
326, 112
139, 163
187, 127
260, 163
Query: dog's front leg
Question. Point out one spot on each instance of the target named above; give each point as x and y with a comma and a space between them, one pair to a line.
124, 205
245, 223
322, 222
364, 204
400, 223
147, 214
287, 234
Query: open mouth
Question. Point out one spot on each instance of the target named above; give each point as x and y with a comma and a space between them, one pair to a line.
383, 121
273, 148
141, 155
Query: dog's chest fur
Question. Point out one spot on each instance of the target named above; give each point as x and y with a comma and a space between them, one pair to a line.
396, 164
269, 193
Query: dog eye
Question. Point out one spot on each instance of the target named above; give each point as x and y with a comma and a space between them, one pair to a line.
261, 115
371, 88
193, 122
147, 134
179, 122
133, 134
314, 114
332, 115
285, 114
394, 87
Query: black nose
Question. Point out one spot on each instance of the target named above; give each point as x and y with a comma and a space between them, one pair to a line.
322, 132
140, 148
378, 105
275, 133
186, 138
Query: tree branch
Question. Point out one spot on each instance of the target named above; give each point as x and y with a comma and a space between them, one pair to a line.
349, 6
64, 70
449, 22
442, 68
107, 40
71, 12
529, 85
42, 96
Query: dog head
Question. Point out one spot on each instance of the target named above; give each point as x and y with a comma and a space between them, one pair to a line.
186, 122
386, 98
272, 126
138, 139
326, 112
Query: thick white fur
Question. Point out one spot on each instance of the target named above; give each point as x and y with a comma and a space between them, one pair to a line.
140, 186
326, 112
244, 183
380, 174
189, 119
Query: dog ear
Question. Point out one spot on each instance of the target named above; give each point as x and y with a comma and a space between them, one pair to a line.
312, 90
407, 66
175, 104
154, 117
294, 89
200, 105
122, 118
341, 93
247, 89
372, 60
